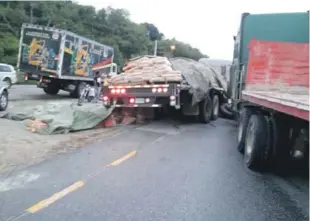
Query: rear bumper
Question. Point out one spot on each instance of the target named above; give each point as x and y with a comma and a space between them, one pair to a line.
139, 105
150, 102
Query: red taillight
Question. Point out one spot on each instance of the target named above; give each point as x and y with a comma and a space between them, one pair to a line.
26, 76
105, 98
118, 91
159, 90
131, 100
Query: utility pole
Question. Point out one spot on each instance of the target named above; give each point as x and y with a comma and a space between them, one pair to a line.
155, 48
31, 12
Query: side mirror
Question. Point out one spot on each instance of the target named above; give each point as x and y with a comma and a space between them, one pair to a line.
234, 38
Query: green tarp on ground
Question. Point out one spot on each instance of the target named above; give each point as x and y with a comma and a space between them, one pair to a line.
63, 117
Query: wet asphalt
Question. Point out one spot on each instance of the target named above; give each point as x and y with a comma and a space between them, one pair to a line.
165, 170
189, 172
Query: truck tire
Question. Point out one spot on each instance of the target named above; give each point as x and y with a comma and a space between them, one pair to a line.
205, 110
215, 107
78, 90
256, 142
245, 115
4, 100
226, 112
51, 89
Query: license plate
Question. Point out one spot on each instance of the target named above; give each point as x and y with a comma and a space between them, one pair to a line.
35, 76
139, 100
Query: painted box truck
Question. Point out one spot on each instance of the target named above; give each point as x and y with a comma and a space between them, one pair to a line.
61, 60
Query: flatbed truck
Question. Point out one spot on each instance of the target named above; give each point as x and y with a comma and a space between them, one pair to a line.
202, 104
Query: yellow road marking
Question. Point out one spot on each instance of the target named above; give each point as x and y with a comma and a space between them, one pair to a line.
122, 159
45, 203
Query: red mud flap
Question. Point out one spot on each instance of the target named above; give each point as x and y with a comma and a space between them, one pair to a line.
108, 122
127, 116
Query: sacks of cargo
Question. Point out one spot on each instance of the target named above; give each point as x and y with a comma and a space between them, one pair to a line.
147, 69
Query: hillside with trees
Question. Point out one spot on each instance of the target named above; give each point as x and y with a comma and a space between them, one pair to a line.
108, 26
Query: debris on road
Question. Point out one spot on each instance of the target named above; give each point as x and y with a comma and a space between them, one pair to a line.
56, 118
20, 147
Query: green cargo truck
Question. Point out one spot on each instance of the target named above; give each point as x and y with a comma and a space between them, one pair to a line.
269, 88
281, 27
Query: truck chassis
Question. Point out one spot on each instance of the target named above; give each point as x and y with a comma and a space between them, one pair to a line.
163, 96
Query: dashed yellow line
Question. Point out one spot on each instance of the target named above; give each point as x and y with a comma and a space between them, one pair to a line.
45, 203
122, 159
75, 186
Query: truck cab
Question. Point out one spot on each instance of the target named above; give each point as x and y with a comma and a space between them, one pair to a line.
107, 70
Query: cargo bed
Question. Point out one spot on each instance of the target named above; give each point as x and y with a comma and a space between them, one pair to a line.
283, 84
292, 104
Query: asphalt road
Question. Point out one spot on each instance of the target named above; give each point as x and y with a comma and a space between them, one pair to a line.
152, 172
160, 171
32, 92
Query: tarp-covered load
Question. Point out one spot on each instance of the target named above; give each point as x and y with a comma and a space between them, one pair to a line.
197, 76
59, 118
220, 66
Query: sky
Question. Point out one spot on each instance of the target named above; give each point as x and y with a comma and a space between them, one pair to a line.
207, 26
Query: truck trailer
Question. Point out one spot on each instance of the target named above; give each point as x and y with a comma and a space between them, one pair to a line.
196, 93
270, 89
61, 60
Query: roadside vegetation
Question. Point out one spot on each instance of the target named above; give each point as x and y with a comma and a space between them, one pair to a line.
108, 26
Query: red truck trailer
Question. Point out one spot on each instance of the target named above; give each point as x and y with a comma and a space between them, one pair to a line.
274, 113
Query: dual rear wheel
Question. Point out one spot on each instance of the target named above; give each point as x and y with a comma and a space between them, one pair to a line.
255, 139
269, 141
209, 109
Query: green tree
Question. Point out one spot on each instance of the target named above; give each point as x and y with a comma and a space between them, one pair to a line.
108, 26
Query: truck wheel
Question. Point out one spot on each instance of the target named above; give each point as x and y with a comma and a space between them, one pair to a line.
215, 107
4, 100
245, 115
256, 142
226, 112
205, 110
51, 89
78, 90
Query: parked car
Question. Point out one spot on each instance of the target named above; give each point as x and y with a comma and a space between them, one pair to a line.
4, 96
8, 74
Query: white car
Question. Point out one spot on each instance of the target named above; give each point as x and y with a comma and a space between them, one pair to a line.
8, 74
